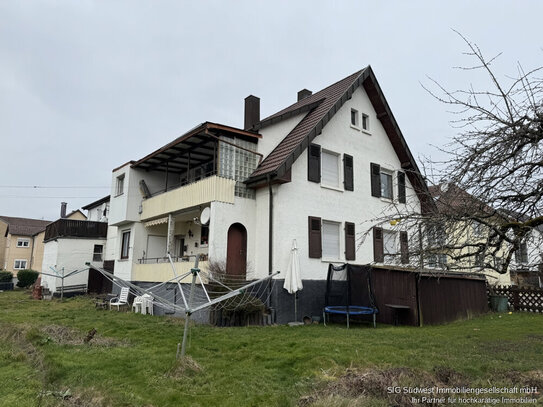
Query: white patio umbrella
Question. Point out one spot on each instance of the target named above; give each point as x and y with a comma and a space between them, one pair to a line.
293, 282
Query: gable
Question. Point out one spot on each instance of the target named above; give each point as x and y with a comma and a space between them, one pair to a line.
280, 160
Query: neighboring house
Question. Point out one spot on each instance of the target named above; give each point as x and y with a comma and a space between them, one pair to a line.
467, 233
71, 243
21, 243
318, 172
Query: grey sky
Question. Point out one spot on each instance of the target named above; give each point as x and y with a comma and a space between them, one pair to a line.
86, 86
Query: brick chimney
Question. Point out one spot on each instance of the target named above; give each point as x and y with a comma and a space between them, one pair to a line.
303, 94
63, 209
252, 111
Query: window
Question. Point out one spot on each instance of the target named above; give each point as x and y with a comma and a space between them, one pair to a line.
355, 118
330, 240
119, 189
382, 183
479, 259
365, 122
386, 185
97, 254
390, 245
125, 244
330, 169
437, 238
521, 255
23, 242
19, 265
204, 236
477, 229
437, 260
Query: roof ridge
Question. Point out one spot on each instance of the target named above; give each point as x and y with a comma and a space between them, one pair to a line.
315, 97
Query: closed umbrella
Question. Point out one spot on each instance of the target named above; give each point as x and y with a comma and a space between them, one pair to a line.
293, 282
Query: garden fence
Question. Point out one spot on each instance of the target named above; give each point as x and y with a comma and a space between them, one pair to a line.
522, 298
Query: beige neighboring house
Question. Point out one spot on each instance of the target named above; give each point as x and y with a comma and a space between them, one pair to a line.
21, 243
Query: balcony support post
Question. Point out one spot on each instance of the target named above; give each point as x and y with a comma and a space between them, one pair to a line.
171, 234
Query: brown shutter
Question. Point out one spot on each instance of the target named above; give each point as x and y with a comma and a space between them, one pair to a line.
378, 246
404, 248
315, 241
401, 187
350, 238
314, 163
348, 176
375, 170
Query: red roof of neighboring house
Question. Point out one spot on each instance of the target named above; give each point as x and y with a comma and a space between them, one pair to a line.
24, 226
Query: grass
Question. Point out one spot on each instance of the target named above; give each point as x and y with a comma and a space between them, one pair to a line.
131, 360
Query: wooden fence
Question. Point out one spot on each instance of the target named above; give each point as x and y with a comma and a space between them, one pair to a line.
521, 298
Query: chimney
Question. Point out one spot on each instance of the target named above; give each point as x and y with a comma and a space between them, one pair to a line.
252, 111
63, 209
303, 94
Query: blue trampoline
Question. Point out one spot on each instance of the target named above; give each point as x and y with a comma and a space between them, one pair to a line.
349, 291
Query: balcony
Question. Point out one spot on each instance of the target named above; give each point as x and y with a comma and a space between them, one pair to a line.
214, 188
76, 228
161, 272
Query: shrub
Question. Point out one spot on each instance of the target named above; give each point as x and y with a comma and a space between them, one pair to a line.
5, 276
26, 278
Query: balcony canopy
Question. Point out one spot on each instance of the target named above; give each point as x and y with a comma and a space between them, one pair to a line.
196, 148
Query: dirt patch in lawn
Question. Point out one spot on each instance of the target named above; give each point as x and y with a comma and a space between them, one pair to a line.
365, 387
184, 367
63, 335
374, 383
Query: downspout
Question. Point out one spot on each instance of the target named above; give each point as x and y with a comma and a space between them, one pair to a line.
270, 241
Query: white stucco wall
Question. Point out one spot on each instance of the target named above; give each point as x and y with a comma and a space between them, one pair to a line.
68, 254
295, 201
50, 252
96, 214
272, 135
223, 215
125, 208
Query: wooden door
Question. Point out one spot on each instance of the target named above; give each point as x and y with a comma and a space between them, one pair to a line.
236, 251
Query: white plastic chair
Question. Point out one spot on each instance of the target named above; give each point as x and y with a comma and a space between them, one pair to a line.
122, 299
147, 304
137, 305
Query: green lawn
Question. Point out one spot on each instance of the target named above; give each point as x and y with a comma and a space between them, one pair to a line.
131, 360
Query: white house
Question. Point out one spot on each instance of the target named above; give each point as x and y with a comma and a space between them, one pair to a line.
318, 172
70, 243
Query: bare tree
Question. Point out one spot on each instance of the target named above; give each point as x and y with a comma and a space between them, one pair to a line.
489, 191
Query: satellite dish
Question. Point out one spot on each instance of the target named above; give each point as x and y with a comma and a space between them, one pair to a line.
204, 216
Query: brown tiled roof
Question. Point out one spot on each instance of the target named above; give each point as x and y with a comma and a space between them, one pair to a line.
24, 226
324, 100
451, 198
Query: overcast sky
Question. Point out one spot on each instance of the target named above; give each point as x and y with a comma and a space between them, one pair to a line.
86, 86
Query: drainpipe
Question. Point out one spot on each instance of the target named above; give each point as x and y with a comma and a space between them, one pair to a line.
270, 240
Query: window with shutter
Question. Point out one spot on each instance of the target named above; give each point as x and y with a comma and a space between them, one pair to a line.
314, 163
378, 249
330, 240
401, 187
350, 241
348, 175
375, 171
314, 232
